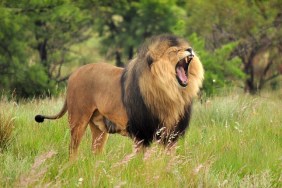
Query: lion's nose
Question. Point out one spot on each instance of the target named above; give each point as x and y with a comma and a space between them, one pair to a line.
190, 50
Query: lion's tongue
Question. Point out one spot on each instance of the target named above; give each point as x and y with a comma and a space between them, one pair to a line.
181, 74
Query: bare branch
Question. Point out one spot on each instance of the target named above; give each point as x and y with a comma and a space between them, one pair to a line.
272, 77
63, 79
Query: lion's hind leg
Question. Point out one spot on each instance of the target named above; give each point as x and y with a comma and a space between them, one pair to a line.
77, 131
99, 132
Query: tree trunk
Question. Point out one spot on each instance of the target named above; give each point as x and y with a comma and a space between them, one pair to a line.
119, 63
42, 50
249, 83
263, 76
43, 54
249, 71
130, 53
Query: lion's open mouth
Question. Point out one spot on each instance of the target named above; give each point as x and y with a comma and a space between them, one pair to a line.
182, 70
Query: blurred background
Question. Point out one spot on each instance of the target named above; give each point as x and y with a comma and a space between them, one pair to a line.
42, 42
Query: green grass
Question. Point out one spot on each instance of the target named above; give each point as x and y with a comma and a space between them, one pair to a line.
234, 140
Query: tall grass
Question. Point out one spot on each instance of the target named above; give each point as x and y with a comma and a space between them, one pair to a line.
234, 140
6, 128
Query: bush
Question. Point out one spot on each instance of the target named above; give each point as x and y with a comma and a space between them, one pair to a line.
32, 82
220, 69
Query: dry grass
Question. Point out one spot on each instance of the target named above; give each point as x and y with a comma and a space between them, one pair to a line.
7, 124
37, 171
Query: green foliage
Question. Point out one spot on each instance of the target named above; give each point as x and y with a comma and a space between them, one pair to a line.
12, 46
33, 81
222, 21
19, 74
36, 37
220, 69
254, 25
52, 34
125, 25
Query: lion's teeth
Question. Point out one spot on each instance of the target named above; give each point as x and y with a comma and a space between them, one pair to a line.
186, 59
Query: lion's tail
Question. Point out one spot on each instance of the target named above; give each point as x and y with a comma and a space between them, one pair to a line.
40, 118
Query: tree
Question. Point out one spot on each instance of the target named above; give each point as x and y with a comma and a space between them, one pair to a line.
42, 32
18, 73
221, 70
56, 27
11, 46
255, 25
123, 25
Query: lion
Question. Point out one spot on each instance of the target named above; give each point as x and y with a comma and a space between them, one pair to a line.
148, 100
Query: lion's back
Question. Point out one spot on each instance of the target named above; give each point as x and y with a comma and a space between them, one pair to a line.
94, 80
94, 73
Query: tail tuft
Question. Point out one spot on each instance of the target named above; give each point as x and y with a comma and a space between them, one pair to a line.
39, 118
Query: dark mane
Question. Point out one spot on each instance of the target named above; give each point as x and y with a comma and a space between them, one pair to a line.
142, 124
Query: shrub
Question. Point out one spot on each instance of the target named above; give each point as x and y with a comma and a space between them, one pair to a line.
32, 81
221, 70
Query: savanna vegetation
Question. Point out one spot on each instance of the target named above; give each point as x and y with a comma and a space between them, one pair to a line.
235, 135
234, 140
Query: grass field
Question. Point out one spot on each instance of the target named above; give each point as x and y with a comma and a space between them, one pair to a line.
234, 140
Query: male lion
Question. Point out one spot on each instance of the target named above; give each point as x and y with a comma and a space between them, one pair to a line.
148, 100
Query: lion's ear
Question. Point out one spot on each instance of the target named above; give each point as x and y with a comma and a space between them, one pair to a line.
149, 60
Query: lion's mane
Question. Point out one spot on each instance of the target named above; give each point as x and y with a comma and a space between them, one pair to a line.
151, 94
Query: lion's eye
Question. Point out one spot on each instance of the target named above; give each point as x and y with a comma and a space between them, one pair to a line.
173, 52
173, 49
